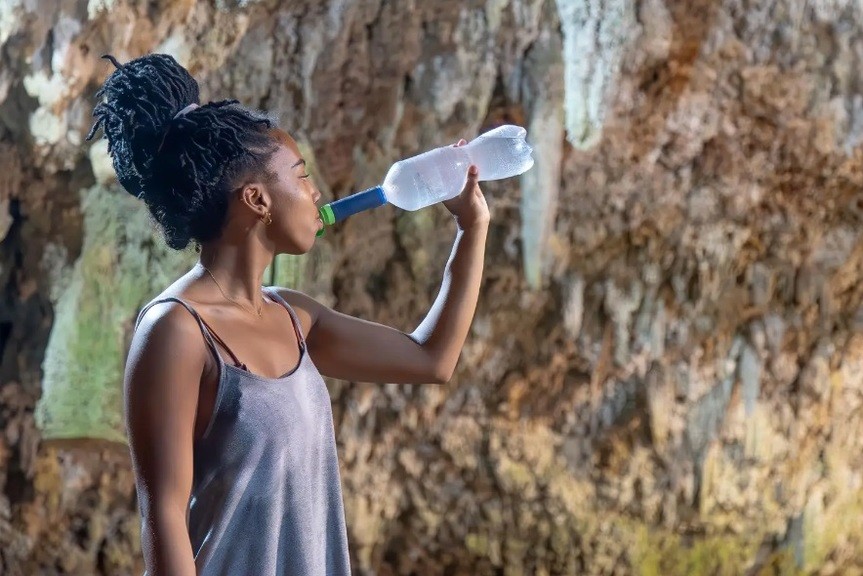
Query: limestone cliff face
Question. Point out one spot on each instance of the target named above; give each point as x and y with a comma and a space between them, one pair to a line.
665, 374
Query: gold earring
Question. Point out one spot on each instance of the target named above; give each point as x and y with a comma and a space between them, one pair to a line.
268, 219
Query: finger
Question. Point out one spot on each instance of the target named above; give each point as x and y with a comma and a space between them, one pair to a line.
461, 142
472, 178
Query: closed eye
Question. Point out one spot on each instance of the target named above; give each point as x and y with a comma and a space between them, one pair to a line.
305, 176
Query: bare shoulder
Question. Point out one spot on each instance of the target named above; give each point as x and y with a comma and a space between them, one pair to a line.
167, 320
306, 307
168, 338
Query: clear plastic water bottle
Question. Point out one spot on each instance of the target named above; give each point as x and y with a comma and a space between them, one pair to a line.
440, 174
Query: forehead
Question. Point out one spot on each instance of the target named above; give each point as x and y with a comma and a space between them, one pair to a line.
286, 142
286, 155
284, 158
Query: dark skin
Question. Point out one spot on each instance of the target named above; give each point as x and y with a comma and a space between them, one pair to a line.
171, 376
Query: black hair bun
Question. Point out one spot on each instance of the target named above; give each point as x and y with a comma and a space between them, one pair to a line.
182, 167
140, 99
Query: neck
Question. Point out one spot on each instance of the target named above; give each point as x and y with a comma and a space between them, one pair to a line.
238, 269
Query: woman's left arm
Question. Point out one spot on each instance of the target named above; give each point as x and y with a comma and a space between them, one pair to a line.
353, 349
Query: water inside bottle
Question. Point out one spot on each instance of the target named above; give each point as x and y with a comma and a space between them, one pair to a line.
501, 153
426, 179
441, 173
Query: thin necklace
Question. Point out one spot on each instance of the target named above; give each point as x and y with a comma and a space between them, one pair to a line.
258, 311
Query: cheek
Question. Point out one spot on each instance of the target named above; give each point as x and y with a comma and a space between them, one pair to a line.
293, 215
293, 222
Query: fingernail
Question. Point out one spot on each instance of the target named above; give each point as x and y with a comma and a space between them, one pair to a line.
474, 170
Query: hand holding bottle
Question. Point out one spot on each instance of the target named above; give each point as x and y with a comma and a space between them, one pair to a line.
469, 208
438, 175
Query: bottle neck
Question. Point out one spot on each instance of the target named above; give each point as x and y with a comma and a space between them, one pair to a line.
353, 204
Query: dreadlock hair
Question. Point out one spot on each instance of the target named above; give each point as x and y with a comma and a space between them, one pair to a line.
183, 167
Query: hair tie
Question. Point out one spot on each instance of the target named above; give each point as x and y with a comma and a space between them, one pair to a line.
185, 110
188, 108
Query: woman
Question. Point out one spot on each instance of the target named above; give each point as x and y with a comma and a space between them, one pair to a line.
229, 421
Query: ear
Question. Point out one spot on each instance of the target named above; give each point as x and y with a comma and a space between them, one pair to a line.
255, 196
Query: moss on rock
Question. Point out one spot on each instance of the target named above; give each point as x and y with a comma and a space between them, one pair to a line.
123, 263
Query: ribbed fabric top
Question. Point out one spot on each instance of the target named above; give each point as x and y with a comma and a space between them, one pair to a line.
266, 492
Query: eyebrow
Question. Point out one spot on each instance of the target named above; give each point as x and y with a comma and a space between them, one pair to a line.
300, 161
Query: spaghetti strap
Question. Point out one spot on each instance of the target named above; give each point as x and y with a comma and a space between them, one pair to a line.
209, 335
222, 343
298, 329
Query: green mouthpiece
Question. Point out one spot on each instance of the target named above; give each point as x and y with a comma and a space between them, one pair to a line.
326, 213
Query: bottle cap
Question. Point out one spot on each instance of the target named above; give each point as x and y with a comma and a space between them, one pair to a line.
327, 217
326, 212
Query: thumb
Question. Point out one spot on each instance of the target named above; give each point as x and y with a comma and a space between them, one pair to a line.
471, 182
472, 179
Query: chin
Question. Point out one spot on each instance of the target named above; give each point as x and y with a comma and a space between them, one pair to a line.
296, 247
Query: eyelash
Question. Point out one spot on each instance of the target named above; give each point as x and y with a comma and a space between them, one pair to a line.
305, 176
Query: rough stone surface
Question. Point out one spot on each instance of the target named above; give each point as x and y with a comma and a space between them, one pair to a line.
664, 375
122, 265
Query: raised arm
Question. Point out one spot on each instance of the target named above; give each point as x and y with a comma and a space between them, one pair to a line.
352, 349
443, 331
163, 374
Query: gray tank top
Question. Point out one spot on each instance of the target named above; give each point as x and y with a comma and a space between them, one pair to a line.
266, 493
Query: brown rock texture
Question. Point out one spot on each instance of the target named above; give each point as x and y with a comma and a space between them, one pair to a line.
665, 373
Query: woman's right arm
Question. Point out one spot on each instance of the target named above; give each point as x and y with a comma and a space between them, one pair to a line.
162, 379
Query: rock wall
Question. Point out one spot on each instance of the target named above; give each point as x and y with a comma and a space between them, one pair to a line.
664, 375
